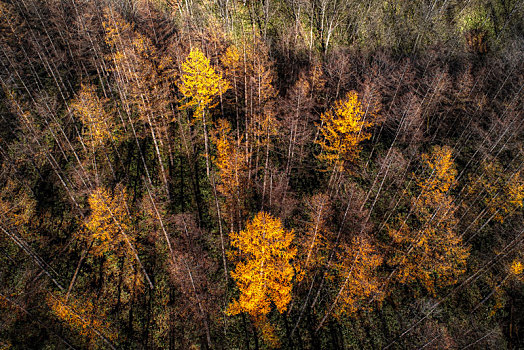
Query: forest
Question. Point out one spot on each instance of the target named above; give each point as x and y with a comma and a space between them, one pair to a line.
261, 174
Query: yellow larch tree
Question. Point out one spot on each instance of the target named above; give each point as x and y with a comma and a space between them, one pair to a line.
315, 243
428, 250
99, 126
264, 271
502, 191
200, 84
356, 269
108, 222
83, 317
232, 171
342, 130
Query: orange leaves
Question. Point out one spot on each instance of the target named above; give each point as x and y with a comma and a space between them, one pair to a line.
98, 124
81, 316
108, 221
264, 272
357, 270
439, 178
232, 168
342, 130
516, 267
316, 241
199, 82
503, 191
428, 249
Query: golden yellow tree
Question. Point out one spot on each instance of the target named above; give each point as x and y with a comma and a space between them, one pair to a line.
108, 222
232, 170
98, 123
316, 241
264, 271
342, 130
502, 191
428, 249
83, 317
356, 270
200, 84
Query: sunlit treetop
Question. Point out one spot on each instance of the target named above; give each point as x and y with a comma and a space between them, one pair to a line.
516, 267
342, 130
108, 221
98, 124
265, 271
82, 316
199, 82
502, 191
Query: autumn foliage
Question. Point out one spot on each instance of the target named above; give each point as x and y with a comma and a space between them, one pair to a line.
261, 174
264, 271
431, 252
199, 82
343, 128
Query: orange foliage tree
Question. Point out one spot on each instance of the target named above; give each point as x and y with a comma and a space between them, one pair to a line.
359, 282
232, 170
502, 191
357, 266
108, 222
83, 317
342, 130
264, 271
107, 231
427, 248
98, 124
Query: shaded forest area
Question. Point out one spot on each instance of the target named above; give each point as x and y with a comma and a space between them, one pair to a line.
296, 174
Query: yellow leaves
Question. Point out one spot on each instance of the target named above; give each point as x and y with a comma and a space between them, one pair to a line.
98, 124
503, 191
232, 167
342, 130
440, 178
248, 68
428, 249
199, 82
108, 222
264, 272
357, 270
516, 267
81, 316
316, 241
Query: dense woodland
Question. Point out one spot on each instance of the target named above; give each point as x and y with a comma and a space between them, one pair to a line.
256, 174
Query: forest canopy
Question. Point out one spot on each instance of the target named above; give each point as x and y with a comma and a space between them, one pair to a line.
301, 174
